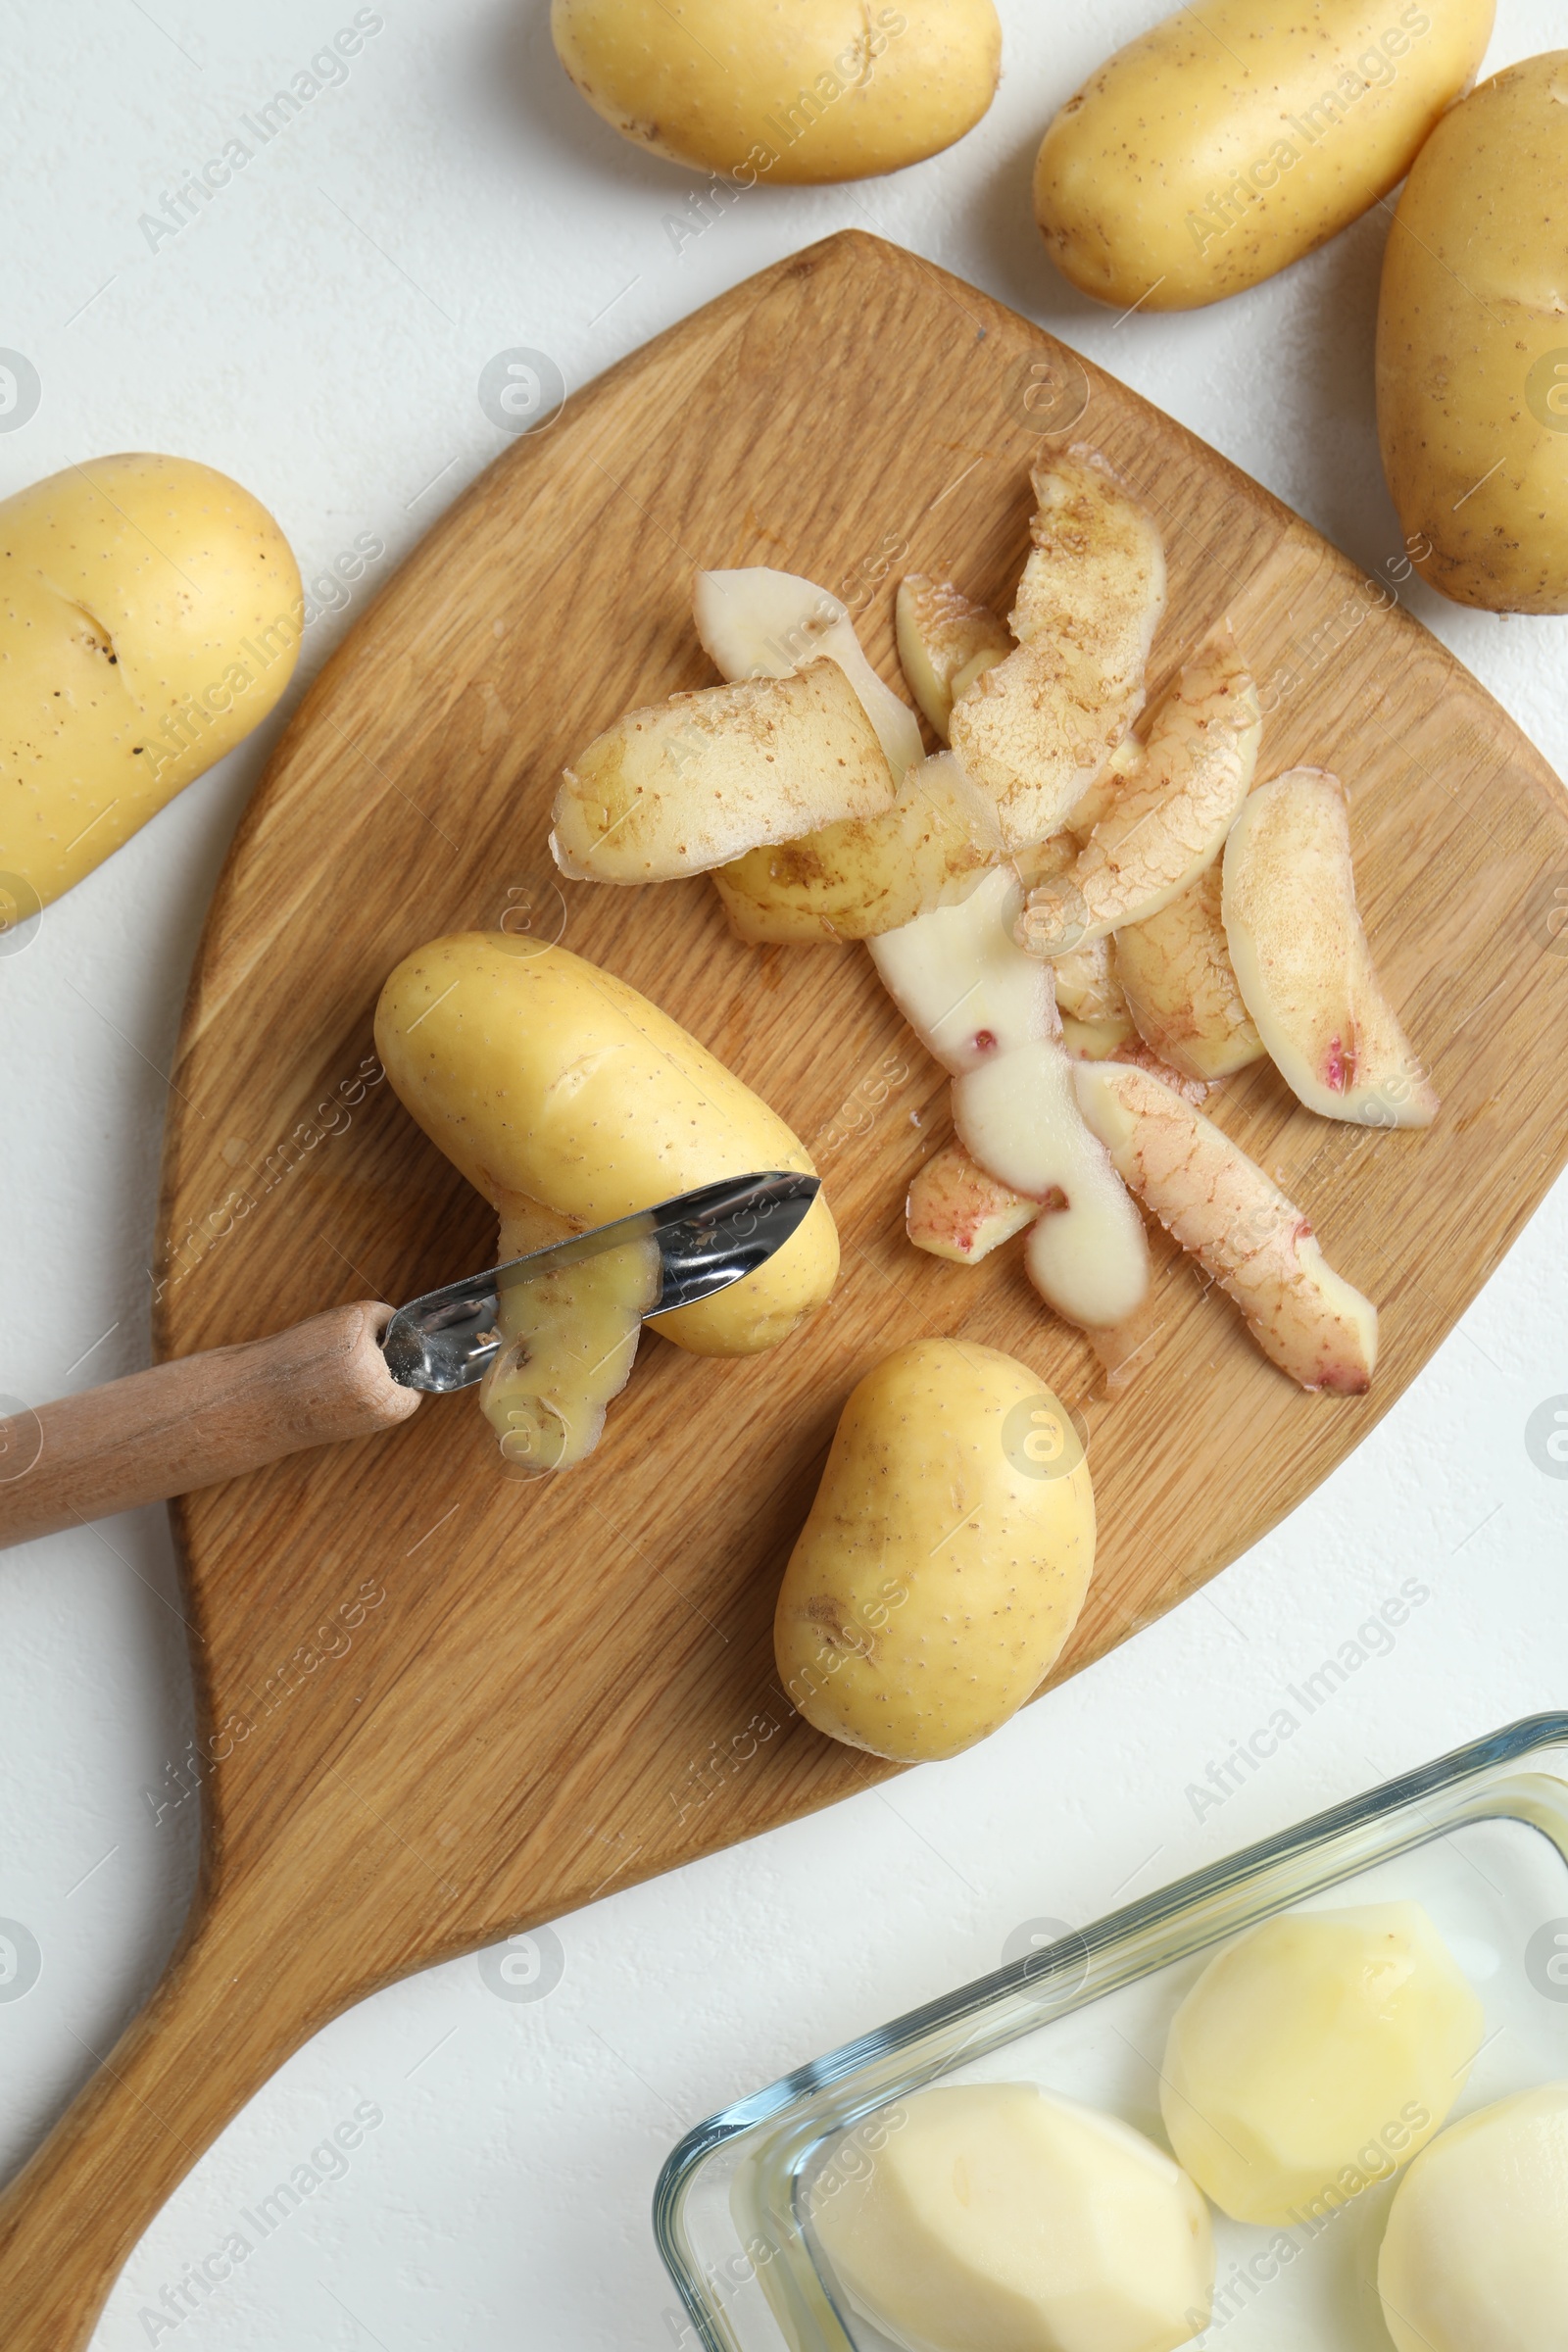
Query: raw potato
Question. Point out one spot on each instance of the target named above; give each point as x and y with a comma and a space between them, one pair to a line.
946, 1558
1472, 359
783, 90
1475, 2258
538, 1074
1316, 2056
1220, 147
999, 2218
571, 1337
689, 784
150, 617
956, 1210
1302, 963
1174, 803
869, 874
1037, 728
1179, 986
1244, 1232
946, 642
757, 623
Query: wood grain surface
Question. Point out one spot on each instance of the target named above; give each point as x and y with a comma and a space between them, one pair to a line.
441, 1705
199, 1419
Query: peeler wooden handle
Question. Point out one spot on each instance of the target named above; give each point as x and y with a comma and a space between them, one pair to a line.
197, 1420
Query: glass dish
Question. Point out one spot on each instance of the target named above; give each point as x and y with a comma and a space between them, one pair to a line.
1480, 1838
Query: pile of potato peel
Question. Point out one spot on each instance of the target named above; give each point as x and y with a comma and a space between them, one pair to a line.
1123, 915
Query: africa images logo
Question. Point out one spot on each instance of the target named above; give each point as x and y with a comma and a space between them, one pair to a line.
1547, 1437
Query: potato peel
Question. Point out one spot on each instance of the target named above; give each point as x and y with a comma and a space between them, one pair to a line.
1181, 989
1302, 961
1036, 730
680, 787
1241, 1229
946, 642
1168, 816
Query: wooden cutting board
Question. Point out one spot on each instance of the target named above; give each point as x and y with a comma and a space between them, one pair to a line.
441, 1706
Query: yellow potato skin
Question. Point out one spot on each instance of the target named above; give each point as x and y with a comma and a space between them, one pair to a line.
539, 1074
936, 1578
150, 616
783, 90
1205, 155
1472, 356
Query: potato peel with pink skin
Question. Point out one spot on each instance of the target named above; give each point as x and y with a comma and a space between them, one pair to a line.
1222, 1209
1302, 961
1144, 1058
956, 1210
1179, 986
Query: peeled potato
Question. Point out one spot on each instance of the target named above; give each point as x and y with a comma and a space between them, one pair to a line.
150, 617
1475, 2258
998, 2218
1316, 2056
946, 1558
783, 90
539, 1074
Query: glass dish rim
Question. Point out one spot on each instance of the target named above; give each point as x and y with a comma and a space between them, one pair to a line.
1475, 1760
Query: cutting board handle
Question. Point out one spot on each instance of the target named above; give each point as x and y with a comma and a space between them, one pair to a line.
219, 2022
197, 1420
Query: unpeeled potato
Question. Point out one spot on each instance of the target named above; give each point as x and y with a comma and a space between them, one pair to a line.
547, 1080
946, 1558
783, 90
1472, 360
150, 617
1223, 144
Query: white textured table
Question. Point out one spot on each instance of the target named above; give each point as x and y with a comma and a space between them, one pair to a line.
318, 328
